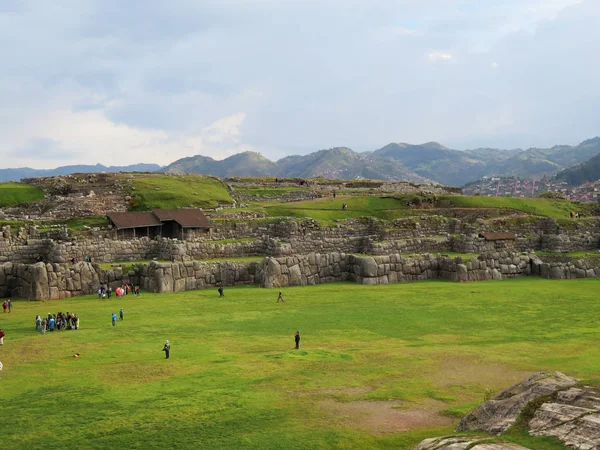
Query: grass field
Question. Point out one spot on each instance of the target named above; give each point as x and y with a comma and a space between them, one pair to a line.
379, 366
537, 206
328, 209
17, 193
267, 191
162, 191
389, 208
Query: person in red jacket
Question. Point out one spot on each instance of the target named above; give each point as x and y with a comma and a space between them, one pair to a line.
1, 336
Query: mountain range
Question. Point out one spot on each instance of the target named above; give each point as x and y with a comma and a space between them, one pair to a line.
581, 173
399, 161
429, 162
26, 172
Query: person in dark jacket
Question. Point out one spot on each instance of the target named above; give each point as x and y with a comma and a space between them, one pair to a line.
167, 349
297, 339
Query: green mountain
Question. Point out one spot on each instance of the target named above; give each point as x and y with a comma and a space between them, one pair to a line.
581, 173
454, 167
249, 164
336, 163
343, 163
399, 161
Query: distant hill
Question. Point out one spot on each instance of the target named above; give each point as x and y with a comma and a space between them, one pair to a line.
400, 161
26, 172
249, 164
421, 163
336, 163
581, 173
454, 167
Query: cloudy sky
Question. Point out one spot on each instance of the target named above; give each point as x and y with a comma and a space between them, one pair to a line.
121, 82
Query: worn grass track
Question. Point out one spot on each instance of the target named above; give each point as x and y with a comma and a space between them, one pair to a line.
419, 353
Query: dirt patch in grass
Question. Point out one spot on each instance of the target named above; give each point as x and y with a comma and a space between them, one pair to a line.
350, 392
467, 371
382, 417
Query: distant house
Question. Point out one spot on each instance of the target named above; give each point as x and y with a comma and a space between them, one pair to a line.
184, 224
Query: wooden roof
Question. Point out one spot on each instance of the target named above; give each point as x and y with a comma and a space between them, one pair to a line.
187, 217
498, 236
123, 220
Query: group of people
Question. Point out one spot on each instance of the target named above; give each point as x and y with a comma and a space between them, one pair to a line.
7, 305
114, 317
60, 321
124, 289
574, 214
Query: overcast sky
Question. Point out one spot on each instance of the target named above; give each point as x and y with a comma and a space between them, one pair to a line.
121, 82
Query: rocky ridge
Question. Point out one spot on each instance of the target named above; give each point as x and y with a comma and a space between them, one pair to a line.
545, 404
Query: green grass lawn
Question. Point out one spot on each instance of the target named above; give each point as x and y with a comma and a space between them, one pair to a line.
371, 358
267, 191
17, 193
164, 191
536, 206
329, 209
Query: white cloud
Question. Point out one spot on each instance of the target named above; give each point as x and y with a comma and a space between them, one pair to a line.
440, 56
494, 65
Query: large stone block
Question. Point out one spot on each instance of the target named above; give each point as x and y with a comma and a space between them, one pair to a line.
368, 267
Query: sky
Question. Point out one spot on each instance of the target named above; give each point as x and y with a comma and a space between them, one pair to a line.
115, 82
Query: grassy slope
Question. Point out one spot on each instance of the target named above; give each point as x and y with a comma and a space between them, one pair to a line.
233, 380
328, 209
267, 191
16, 193
537, 206
177, 192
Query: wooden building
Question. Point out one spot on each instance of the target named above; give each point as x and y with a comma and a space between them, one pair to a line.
184, 224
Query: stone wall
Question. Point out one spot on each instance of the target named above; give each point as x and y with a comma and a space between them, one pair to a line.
286, 237
53, 281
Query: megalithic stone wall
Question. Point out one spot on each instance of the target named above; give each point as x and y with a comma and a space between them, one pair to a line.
54, 281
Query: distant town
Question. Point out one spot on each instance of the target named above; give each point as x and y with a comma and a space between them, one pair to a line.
514, 187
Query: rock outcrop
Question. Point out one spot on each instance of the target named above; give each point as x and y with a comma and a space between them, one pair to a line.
573, 417
497, 414
546, 404
456, 443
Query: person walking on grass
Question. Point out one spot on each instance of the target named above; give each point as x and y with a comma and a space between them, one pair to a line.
121, 314
280, 298
38, 323
44, 324
221, 292
9, 305
114, 319
2, 336
297, 339
5, 305
167, 349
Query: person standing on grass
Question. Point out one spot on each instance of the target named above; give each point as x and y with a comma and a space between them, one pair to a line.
221, 292
44, 323
280, 298
167, 349
51, 323
121, 314
5, 305
9, 305
38, 323
297, 339
2, 336
114, 319
109, 292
